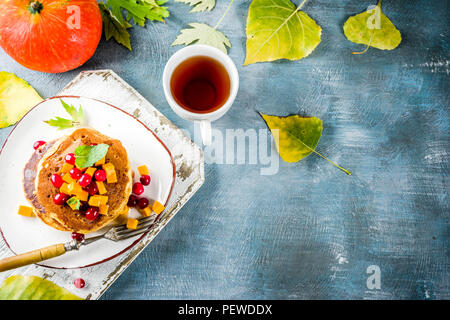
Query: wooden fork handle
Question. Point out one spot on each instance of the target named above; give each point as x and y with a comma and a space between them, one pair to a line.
32, 257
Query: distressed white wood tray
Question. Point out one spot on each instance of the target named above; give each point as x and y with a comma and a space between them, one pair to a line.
107, 86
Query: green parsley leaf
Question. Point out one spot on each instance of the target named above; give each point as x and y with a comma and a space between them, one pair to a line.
62, 123
201, 33
77, 115
86, 156
113, 28
199, 5
74, 202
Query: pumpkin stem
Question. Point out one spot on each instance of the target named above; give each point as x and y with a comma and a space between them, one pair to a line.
35, 7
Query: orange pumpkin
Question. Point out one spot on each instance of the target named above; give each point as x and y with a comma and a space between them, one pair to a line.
50, 35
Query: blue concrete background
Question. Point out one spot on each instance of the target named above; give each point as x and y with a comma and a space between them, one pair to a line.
309, 231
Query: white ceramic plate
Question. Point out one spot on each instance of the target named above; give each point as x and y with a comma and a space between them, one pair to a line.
23, 234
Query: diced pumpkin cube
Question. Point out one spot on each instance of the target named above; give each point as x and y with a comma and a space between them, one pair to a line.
132, 223
100, 162
66, 167
82, 195
101, 187
64, 188
143, 170
103, 199
97, 201
26, 211
103, 209
90, 171
94, 201
74, 188
112, 178
67, 178
108, 167
74, 205
158, 207
146, 212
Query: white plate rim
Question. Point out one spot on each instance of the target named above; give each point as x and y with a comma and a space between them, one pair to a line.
146, 127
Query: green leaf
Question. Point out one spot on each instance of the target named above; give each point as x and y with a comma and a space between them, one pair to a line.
19, 287
138, 10
199, 5
296, 137
113, 28
74, 202
62, 123
373, 29
17, 97
201, 33
77, 115
276, 29
86, 156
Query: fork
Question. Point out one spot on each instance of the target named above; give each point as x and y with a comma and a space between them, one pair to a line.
115, 233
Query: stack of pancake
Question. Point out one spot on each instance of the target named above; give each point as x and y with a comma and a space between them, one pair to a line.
49, 159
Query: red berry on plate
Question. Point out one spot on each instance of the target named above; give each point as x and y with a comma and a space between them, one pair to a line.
92, 188
79, 283
85, 180
60, 199
77, 236
37, 144
92, 213
70, 158
75, 173
145, 180
100, 175
138, 188
132, 201
56, 180
142, 203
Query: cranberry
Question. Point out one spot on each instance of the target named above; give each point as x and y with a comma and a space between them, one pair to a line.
142, 203
37, 144
75, 173
132, 201
60, 198
70, 158
145, 180
92, 188
92, 213
56, 180
85, 180
138, 188
79, 283
84, 207
77, 236
100, 175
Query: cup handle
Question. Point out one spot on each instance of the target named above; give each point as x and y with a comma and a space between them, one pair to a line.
205, 129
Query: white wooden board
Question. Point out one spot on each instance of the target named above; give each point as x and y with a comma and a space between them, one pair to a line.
107, 86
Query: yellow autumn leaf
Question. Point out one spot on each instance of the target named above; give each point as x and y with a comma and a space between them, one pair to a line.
19, 287
277, 29
296, 137
17, 97
372, 28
